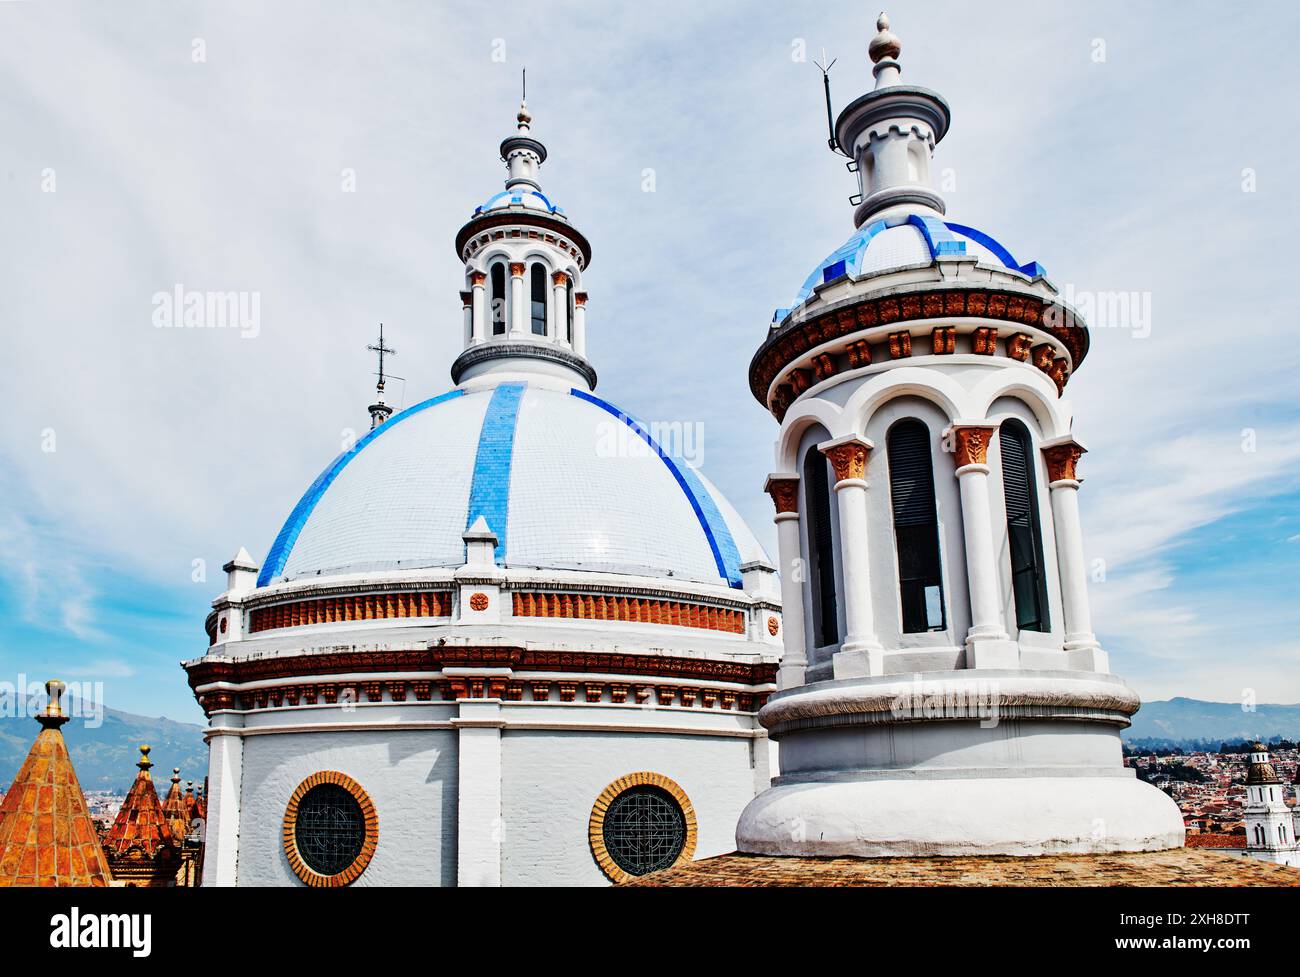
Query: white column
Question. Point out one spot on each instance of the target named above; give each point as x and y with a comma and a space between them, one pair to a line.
784, 490
559, 307
580, 323
478, 313
520, 321
861, 653
987, 642
1062, 456
479, 830
225, 774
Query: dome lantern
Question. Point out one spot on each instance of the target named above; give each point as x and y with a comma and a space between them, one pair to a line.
524, 306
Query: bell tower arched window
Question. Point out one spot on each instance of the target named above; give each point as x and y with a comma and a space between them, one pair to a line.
568, 310
916, 527
537, 285
821, 550
498, 300
1028, 579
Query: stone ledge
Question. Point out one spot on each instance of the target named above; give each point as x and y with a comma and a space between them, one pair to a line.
1173, 867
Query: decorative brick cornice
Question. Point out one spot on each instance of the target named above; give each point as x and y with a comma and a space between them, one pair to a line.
428, 660
368, 845
1062, 460
356, 607
971, 444
797, 338
637, 610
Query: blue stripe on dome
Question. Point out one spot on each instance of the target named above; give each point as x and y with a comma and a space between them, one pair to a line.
1002, 254
293, 526
725, 553
938, 238
850, 252
489, 493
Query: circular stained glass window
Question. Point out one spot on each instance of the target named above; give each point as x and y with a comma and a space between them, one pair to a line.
330, 829
644, 830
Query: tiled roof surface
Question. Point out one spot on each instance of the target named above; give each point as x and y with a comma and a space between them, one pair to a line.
46, 834
174, 808
1210, 839
141, 825
1178, 866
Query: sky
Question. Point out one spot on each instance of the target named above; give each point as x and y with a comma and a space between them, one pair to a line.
322, 156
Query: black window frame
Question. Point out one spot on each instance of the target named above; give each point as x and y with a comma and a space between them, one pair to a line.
536, 318
1024, 527
823, 599
498, 291
915, 517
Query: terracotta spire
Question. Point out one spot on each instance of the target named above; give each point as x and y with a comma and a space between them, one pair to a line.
46, 834
174, 808
141, 827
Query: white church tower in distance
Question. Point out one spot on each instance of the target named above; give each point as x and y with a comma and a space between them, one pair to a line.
1270, 828
942, 690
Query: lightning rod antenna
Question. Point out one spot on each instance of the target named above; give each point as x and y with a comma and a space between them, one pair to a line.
831, 142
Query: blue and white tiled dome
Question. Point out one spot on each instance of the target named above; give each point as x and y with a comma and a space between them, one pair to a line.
564, 479
898, 242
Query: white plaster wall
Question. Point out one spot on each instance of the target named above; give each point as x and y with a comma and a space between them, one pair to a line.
411, 777
551, 781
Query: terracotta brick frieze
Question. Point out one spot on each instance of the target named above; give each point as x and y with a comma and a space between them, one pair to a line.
357, 607
637, 610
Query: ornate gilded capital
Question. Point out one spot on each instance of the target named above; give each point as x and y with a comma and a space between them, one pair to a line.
478, 278
971, 444
784, 493
848, 458
1062, 460
559, 278
579, 298
516, 269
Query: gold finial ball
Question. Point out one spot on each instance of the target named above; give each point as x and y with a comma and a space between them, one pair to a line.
54, 693
885, 44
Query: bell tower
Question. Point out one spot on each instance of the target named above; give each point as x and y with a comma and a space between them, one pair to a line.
942, 688
525, 309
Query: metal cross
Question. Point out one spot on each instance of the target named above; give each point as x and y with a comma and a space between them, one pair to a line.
381, 349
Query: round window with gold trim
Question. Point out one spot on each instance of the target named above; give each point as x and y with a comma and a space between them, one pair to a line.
330, 829
641, 823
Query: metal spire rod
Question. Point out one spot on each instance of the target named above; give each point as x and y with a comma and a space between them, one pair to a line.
381, 349
832, 142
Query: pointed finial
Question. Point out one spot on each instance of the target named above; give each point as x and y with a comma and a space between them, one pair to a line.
53, 716
144, 762
885, 44
176, 775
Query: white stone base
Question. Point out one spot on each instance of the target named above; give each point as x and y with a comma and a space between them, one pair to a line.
947, 816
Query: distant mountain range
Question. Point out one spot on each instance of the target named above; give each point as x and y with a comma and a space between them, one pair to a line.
105, 757
1192, 723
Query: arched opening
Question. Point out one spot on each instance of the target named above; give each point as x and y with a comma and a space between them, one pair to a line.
498, 301
1028, 579
568, 311
537, 278
821, 549
916, 527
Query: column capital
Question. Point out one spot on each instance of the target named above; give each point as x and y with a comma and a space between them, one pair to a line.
559, 278
784, 490
516, 269
848, 456
466, 298
478, 278
1062, 456
579, 298
971, 443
